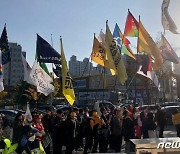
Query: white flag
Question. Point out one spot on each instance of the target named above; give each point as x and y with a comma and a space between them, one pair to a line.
167, 21
41, 79
101, 38
151, 75
1, 74
27, 116
27, 70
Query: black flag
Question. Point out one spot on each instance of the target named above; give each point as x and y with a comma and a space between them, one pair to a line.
4, 47
46, 53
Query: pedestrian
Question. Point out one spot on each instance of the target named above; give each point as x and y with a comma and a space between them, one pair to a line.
96, 123
151, 126
81, 127
128, 131
58, 131
17, 128
176, 121
71, 132
37, 123
1, 125
6, 128
86, 113
143, 118
161, 120
88, 133
28, 143
116, 131
104, 133
47, 128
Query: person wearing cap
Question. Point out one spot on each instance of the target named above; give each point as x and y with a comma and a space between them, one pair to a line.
58, 135
71, 132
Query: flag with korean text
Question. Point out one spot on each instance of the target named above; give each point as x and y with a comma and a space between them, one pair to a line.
67, 86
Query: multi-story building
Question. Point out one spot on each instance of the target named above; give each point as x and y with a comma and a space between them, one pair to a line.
168, 82
177, 73
13, 72
74, 66
84, 68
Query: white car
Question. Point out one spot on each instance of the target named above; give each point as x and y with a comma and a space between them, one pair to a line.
99, 104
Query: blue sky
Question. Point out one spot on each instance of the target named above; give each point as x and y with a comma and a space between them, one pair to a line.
77, 21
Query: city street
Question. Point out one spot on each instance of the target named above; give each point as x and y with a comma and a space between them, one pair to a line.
169, 132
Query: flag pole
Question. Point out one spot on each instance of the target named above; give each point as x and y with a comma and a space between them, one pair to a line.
52, 46
134, 76
52, 75
127, 86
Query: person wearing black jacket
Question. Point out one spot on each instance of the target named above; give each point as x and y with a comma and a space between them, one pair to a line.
104, 133
88, 133
58, 128
81, 126
71, 128
128, 131
161, 120
47, 126
151, 126
17, 128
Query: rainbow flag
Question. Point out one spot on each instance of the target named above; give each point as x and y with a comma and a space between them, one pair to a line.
131, 27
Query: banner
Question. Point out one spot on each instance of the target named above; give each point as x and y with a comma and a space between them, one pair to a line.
98, 54
167, 21
167, 51
67, 86
41, 80
27, 70
146, 44
151, 75
27, 115
46, 53
114, 57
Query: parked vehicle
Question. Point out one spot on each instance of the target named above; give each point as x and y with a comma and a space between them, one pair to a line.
10, 114
99, 104
150, 108
168, 113
170, 104
46, 107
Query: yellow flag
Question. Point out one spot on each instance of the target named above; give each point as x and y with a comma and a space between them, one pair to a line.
114, 57
147, 45
99, 53
67, 86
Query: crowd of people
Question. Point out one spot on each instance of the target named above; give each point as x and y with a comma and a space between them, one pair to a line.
84, 130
